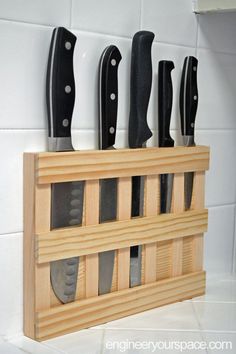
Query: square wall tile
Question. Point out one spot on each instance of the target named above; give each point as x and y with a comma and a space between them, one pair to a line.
220, 179
216, 316
87, 341
7, 348
50, 12
11, 275
121, 18
29, 345
23, 65
219, 240
171, 21
217, 87
217, 32
14, 144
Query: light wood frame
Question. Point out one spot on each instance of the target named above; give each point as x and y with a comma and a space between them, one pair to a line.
172, 252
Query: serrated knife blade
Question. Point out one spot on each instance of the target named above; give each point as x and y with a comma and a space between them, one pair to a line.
67, 198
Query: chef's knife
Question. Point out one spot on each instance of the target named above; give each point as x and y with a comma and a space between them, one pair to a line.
108, 100
188, 110
67, 198
165, 97
139, 132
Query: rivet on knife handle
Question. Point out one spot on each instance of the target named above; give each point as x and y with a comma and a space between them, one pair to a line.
188, 109
108, 101
67, 198
165, 98
139, 132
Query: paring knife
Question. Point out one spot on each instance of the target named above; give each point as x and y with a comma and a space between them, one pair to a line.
139, 132
165, 97
188, 109
108, 101
67, 198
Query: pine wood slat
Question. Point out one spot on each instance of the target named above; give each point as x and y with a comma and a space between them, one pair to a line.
82, 314
37, 211
198, 201
86, 165
91, 218
124, 213
151, 209
29, 259
178, 207
79, 241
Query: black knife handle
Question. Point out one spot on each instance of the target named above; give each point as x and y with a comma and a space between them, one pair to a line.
140, 88
108, 96
188, 96
165, 98
60, 84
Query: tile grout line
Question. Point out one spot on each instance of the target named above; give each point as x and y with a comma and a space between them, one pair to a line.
141, 15
196, 44
234, 245
102, 342
71, 7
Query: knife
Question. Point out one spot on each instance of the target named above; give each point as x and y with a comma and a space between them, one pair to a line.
165, 97
108, 101
67, 198
139, 132
188, 109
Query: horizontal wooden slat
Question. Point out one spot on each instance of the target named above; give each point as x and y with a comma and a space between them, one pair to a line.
85, 165
89, 312
80, 241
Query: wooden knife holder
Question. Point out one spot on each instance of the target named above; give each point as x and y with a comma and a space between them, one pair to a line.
172, 252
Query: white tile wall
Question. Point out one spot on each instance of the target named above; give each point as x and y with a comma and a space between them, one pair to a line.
171, 21
121, 18
11, 275
216, 32
50, 12
25, 31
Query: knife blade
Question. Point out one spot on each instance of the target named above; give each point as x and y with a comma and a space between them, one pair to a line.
188, 109
165, 97
139, 132
108, 103
67, 198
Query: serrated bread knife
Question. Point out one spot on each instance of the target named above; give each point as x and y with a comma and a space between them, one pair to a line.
165, 97
188, 109
108, 101
67, 198
139, 132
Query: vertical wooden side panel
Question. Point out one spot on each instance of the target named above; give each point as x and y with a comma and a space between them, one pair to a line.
42, 224
28, 249
37, 211
124, 213
91, 218
178, 207
151, 209
198, 201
